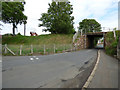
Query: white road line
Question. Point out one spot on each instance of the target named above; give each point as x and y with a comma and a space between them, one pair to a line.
37, 58
31, 59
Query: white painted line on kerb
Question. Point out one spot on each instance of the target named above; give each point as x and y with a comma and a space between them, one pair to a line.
92, 74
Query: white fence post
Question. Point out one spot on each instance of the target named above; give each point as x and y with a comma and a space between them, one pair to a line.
31, 49
54, 48
20, 49
5, 48
44, 49
9, 50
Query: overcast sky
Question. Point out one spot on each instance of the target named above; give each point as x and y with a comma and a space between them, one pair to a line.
104, 11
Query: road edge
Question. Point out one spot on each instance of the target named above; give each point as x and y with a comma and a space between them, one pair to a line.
85, 86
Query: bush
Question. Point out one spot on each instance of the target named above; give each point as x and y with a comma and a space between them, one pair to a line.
19, 34
8, 34
111, 47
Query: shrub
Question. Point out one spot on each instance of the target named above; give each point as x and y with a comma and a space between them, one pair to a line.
111, 47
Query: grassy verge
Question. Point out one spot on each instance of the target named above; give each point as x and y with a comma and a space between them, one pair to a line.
43, 44
38, 49
38, 40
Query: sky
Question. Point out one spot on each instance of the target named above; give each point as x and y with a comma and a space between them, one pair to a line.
103, 11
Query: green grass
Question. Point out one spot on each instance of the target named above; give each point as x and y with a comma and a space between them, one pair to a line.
62, 42
38, 40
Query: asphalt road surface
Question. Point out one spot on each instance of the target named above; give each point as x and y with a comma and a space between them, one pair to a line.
38, 71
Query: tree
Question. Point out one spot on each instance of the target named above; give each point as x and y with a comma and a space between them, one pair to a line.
25, 27
0, 27
58, 18
89, 25
12, 12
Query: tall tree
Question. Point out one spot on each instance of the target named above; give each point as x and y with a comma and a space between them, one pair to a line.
58, 18
89, 25
25, 27
12, 12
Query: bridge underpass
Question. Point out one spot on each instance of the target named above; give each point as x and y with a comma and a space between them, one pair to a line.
88, 41
92, 39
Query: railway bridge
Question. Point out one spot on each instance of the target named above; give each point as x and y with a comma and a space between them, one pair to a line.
87, 40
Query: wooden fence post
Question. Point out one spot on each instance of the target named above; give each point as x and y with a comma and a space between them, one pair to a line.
31, 49
64, 47
54, 48
71, 47
20, 49
76, 47
44, 49
5, 48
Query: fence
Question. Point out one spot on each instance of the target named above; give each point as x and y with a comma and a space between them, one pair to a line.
37, 49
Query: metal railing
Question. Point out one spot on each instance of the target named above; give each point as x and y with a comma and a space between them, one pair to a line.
75, 36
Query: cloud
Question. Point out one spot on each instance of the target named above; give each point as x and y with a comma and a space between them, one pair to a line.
97, 9
104, 11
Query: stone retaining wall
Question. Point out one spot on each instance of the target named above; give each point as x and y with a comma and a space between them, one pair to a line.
81, 42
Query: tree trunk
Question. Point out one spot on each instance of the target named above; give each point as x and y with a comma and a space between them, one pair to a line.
24, 29
13, 29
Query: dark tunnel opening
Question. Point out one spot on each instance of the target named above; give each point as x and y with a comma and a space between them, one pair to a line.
94, 43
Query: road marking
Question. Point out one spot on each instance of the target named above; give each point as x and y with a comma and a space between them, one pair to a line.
92, 74
31, 59
37, 58
0, 61
34, 58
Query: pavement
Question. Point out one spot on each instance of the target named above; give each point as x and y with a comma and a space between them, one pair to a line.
44, 71
106, 74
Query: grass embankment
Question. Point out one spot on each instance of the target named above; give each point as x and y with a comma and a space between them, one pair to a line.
52, 43
42, 39
111, 43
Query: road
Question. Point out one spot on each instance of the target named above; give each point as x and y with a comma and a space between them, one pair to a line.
38, 71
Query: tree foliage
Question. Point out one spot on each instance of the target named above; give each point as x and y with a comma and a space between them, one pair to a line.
89, 25
12, 12
58, 18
